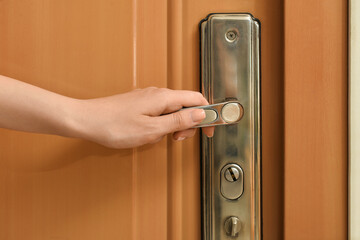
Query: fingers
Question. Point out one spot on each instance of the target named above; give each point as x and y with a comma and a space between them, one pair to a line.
180, 120
184, 134
177, 99
181, 123
208, 131
182, 98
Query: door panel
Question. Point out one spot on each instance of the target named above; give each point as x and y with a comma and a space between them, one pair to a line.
60, 188
316, 120
57, 188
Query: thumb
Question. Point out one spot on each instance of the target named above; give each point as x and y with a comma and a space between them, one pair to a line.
181, 120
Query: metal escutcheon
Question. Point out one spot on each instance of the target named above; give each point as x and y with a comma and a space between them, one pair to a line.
230, 164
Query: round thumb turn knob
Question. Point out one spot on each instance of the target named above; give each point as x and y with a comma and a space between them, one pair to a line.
232, 112
232, 226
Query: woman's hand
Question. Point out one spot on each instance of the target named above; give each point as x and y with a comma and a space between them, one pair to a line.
121, 121
139, 117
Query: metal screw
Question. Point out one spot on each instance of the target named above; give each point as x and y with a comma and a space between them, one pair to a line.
232, 174
231, 35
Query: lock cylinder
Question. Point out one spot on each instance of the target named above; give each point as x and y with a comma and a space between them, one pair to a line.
232, 181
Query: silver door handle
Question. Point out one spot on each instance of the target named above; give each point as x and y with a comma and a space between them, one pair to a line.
229, 112
230, 162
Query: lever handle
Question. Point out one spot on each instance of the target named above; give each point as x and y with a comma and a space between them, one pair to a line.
229, 112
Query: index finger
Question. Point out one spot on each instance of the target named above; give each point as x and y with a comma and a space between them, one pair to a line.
177, 99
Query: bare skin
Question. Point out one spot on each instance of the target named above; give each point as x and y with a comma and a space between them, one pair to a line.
120, 121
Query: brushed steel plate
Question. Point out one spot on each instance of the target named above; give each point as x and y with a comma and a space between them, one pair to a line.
230, 70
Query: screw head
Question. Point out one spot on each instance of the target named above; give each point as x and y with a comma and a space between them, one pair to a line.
232, 174
231, 35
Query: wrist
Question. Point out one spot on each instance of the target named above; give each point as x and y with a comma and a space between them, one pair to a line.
75, 119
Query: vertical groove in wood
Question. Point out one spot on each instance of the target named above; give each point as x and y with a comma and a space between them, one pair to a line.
134, 212
316, 119
134, 152
190, 163
175, 156
150, 161
271, 15
134, 46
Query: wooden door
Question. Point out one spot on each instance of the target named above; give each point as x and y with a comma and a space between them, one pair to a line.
58, 188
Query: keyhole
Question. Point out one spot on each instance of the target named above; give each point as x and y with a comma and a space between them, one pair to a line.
232, 174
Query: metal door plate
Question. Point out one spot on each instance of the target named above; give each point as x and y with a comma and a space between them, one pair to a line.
230, 70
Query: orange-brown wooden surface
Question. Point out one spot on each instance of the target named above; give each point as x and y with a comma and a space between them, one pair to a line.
57, 188
316, 119
52, 187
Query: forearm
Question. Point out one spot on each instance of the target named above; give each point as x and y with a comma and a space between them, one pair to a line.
120, 121
28, 108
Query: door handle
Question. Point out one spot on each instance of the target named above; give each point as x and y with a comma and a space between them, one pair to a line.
230, 161
229, 112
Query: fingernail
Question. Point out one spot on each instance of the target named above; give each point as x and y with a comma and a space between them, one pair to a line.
198, 115
180, 138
